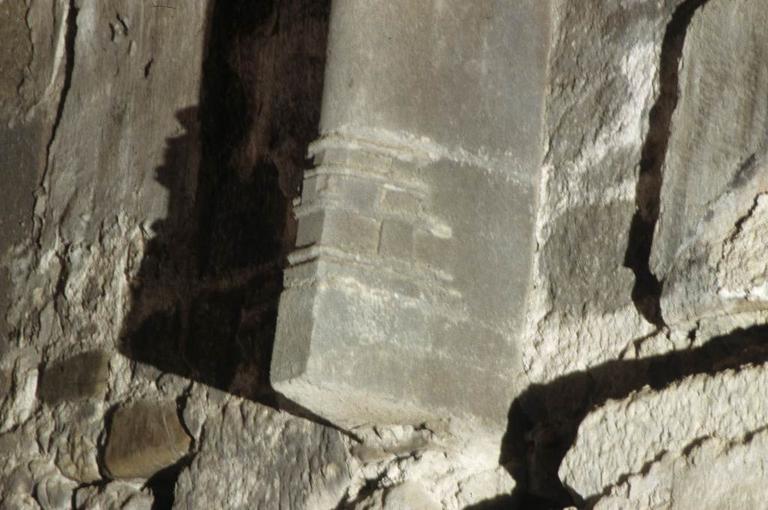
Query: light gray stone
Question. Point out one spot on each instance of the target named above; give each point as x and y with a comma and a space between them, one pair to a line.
624, 436
395, 275
267, 459
409, 496
430, 139
711, 474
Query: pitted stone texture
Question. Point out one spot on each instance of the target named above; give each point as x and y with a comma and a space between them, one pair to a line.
706, 268
252, 456
712, 474
620, 438
144, 438
407, 291
580, 309
122, 495
73, 444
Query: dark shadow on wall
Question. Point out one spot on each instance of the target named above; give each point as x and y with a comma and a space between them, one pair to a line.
544, 420
646, 293
204, 302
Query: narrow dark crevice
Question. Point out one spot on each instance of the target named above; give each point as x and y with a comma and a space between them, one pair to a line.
647, 290
98, 485
365, 492
739, 225
204, 301
162, 484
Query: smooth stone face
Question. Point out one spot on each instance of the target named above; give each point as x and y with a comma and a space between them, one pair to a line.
79, 377
406, 292
468, 75
144, 438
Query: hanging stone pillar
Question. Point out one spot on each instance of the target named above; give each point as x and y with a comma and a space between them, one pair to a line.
407, 288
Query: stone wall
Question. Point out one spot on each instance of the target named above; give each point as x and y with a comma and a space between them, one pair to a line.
151, 154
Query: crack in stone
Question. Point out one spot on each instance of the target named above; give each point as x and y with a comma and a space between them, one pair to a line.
739, 225
69, 67
646, 292
683, 453
625, 477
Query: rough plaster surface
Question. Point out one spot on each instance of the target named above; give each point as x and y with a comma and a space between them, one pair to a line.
625, 437
97, 97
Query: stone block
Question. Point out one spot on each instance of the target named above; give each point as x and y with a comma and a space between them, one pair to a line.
336, 156
79, 377
400, 202
351, 232
415, 287
144, 438
313, 186
310, 229
354, 192
340, 229
432, 251
396, 239
463, 74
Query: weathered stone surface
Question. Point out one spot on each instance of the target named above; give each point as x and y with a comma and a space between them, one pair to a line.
622, 437
405, 496
715, 175
712, 474
409, 495
100, 129
580, 310
54, 492
268, 459
144, 438
114, 495
415, 230
74, 448
79, 377
17, 48
5, 383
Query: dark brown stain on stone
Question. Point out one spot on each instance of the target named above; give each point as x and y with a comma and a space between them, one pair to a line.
77, 378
